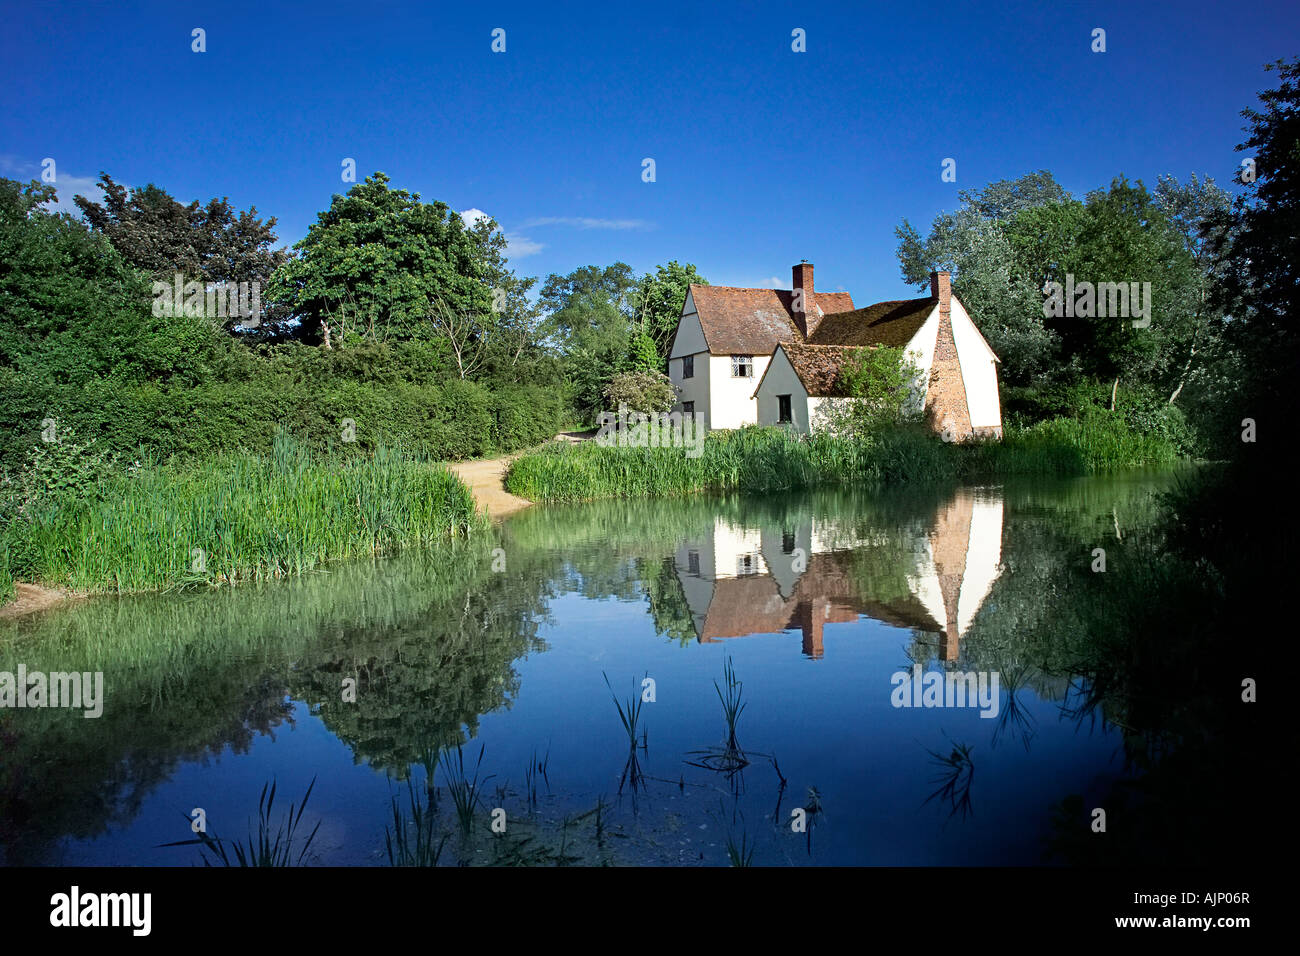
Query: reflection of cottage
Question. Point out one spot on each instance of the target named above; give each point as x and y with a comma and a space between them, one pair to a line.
765, 356
742, 581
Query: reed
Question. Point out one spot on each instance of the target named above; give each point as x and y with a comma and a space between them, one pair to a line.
740, 854
412, 842
271, 848
765, 459
629, 712
232, 519
955, 774
732, 706
466, 791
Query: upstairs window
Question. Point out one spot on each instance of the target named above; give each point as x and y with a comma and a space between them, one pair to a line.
688, 366
783, 409
742, 366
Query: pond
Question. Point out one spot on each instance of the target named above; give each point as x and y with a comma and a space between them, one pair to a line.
900, 679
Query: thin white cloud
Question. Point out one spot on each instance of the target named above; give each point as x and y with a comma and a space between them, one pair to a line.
517, 246
66, 186
587, 222
772, 282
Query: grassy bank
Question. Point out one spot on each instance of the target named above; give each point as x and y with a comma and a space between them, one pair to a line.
230, 519
769, 459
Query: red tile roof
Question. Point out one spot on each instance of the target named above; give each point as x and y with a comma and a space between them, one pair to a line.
752, 321
818, 367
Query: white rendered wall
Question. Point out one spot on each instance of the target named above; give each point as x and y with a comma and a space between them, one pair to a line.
780, 379
979, 370
731, 402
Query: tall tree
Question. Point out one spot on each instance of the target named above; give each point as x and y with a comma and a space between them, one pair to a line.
374, 264
209, 243
588, 322
1260, 288
73, 309
656, 306
980, 245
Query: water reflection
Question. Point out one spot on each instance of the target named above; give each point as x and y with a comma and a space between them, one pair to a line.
208, 695
811, 570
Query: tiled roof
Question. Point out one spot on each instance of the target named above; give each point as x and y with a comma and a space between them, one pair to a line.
818, 367
885, 323
752, 321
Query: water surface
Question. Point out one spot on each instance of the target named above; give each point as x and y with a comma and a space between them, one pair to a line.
504, 645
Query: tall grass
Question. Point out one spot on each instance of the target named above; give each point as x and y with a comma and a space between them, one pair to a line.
232, 519
271, 848
6, 573
414, 842
466, 791
763, 459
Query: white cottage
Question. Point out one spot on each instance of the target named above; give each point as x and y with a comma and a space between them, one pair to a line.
726, 337
792, 345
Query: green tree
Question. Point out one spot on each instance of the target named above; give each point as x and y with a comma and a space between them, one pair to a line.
74, 310
208, 243
982, 247
1260, 287
373, 263
642, 391
657, 308
589, 327
879, 385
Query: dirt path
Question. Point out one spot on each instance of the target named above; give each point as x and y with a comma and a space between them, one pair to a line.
486, 479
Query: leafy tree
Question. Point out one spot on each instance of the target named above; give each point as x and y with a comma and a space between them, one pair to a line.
1260, 246
881, 387
656, 310
208, 243
587, 324
372, 264
73, 309
1198, 212
983, 249
1127, 238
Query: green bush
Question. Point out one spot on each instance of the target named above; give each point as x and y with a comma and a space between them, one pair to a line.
452, 421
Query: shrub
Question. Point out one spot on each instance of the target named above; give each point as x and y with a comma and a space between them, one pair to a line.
644, 391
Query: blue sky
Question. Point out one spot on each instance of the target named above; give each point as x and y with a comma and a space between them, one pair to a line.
763, 156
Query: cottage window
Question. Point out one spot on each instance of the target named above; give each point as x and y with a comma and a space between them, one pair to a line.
787, 542
742, 366
688, 366
688, 408
693, 562
746, 564
783, 409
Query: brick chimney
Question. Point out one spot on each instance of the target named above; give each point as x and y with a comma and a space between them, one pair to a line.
941, 289
806, 314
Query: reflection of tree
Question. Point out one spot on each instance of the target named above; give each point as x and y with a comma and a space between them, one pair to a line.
419, 683
668, 607
433, 635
